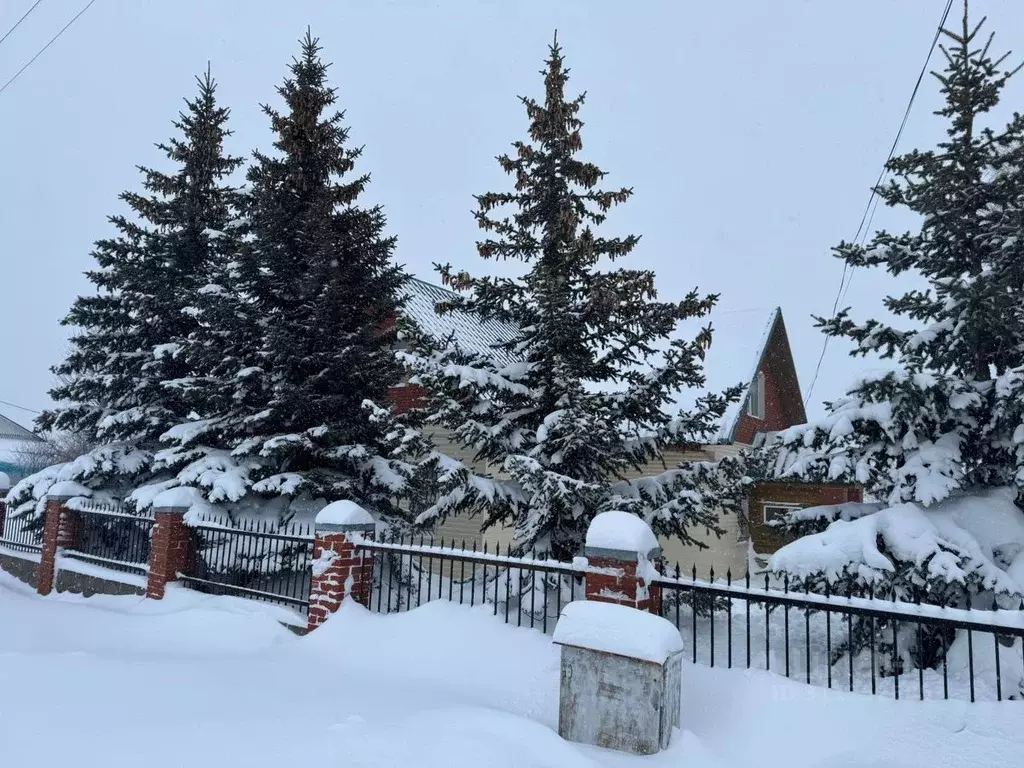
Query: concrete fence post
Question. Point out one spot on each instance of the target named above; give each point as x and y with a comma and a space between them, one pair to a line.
340, 569
170, 550
623, 558
60, 530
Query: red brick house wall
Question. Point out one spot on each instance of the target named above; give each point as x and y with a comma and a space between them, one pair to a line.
767, 539
783, 403
407, 396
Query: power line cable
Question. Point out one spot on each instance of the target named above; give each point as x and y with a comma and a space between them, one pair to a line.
18, 22
43, 49
19, 407
869, 210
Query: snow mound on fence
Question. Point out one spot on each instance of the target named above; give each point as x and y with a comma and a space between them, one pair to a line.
343, 513
177, 498
67, 489
621, 530
981, 533
617, 629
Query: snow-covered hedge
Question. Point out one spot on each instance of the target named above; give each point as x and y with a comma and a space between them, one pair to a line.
908, 551
967, 551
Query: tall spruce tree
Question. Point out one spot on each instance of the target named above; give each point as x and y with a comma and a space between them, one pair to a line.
928, 428
946, 426
301, 347
130, 333
587, 400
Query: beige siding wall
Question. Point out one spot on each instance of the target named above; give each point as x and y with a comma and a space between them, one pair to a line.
727, 552
723, 554
462, 527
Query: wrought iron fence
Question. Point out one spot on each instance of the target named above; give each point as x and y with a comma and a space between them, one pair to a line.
111, 535
525, 591
20, 535
850, 642
258, 559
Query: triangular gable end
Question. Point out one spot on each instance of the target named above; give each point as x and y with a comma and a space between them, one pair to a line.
782, 401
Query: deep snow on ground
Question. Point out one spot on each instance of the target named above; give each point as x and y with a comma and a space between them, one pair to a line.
203, 681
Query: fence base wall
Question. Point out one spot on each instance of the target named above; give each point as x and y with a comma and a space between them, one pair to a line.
87, 586
21, 568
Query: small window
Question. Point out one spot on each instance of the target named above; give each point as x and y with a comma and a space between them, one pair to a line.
755, 397
775, 512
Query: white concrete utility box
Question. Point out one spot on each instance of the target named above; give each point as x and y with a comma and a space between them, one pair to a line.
621, 677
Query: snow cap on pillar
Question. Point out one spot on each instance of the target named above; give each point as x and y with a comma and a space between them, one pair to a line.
344, 516
67, 489
5, 482
178, 499
622, 536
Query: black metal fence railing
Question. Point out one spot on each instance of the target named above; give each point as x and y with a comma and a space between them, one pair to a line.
853, 643
258, 559
20, 535
112, 536
525, 591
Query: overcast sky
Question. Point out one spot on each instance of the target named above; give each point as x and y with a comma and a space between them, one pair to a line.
750, 131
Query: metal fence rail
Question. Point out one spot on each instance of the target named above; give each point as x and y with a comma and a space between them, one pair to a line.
257, 559
22, 535
851, 642
113, 536
525, 591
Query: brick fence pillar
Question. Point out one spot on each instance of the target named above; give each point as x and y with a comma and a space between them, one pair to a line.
622, 573
5, 486
340, 569
170, 550
60, 529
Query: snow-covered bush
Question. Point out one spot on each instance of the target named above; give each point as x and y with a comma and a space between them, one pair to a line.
966, 551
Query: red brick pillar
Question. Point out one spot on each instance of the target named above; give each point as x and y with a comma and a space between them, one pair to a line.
623, 576
340, 568
5, 486
169, 549
60, 529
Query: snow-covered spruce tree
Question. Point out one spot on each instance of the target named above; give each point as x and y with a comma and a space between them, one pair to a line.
130, 332
297, 418
588, 395
943, 425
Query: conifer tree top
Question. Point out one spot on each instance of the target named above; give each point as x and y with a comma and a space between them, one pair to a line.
956, 188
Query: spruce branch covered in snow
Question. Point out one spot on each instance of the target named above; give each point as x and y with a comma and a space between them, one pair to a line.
587, 398
293, 348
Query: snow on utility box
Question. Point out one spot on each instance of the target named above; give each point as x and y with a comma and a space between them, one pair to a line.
621, 677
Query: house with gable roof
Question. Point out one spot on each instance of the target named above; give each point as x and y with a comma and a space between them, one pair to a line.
749, 347
16, 448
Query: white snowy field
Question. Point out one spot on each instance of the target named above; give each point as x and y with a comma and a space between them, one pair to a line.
200, 681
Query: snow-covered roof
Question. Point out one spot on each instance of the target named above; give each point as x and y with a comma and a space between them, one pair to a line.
469, 333
9, 430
